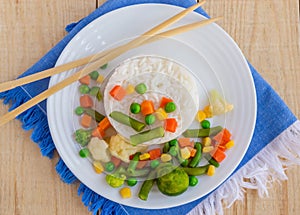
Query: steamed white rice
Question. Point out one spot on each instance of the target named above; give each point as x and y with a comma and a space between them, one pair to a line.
163, 77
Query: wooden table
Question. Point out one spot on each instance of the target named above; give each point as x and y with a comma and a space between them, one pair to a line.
266, 31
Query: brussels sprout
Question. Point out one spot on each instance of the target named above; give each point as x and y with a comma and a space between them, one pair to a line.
173, 183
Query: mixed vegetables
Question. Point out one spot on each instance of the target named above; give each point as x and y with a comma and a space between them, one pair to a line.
173, 166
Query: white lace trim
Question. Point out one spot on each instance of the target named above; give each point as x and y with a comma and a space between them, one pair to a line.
259, 173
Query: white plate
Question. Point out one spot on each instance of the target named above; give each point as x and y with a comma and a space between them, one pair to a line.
208, 52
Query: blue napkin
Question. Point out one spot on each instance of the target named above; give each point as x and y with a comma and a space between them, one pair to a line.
273, 116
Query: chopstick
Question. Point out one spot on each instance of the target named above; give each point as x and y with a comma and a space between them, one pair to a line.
95, 65
80, 62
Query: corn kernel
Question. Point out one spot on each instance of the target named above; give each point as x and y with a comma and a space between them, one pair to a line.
144, 156
125, 192
98, 167
207, 149
161, 114
165, 157
185, 153
229, 144
129, 89
206, 141
100, 79
200, 116
211, 170
208, 111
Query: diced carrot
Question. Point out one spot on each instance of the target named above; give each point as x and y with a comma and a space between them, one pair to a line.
218, 155
85, 80
222, 137
164, 101
171, 124
185, 141
147, 107
154, 153
86, 101
141, 164
118, 92
104, 124
192, 151
115, 161
86, 121
97, 132
222, 148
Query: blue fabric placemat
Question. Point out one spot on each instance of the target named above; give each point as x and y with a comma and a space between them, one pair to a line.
273, 116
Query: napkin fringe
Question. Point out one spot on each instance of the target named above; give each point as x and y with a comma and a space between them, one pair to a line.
267, 167
33, 119
95, 202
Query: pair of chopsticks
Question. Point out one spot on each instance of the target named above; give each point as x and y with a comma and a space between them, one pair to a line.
95, 61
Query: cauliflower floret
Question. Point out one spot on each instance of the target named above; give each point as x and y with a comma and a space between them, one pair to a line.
121, 149
99, 150
218, 105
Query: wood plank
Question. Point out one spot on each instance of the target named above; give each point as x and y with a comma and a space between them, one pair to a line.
29, 183
268, 34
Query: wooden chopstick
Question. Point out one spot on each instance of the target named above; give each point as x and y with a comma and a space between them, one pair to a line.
80, 62
95, 65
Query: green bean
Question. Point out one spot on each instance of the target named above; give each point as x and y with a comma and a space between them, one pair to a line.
212, 161
166, 147
127, 120
133, 163
147, 135
196, 159
200, 170
94, 114
138, 172
202, 132
147, 186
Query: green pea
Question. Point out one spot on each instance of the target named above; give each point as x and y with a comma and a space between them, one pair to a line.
109, 166
104, 66
193, 180
173, 142
79, 110
131, 182
170, 107
84, 89
94, 91
150, 119
94, 75
173, 151
141, 88
135, 108
154, 164
205, 124
84, 153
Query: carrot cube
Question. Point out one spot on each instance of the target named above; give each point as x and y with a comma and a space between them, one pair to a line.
115, 161
171, 124
86, 101
147, 107
104, 124
222, 137
118, 92
218, 155
97, 132
141, 164
86, 121
85, 80
184, 141
154, 153
164, 101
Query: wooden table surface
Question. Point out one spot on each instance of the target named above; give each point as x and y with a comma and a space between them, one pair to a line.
266, 31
